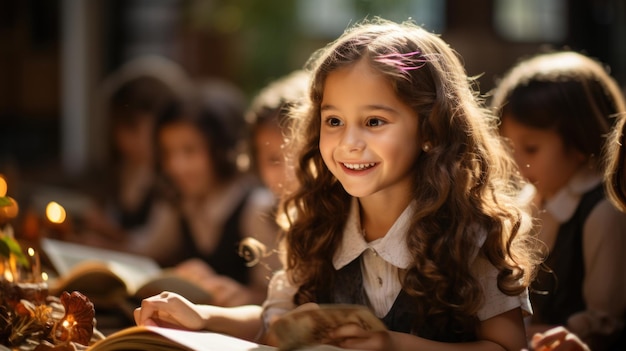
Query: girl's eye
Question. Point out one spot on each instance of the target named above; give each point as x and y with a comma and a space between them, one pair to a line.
375, 122
333, 121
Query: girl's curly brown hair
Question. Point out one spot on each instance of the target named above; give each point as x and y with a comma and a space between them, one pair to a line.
465, 186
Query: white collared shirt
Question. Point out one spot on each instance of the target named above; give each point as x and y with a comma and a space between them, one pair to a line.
564, 203
383, 262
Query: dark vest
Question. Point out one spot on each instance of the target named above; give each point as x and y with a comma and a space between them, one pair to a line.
348, 289
557, 291
225, 260
130, 219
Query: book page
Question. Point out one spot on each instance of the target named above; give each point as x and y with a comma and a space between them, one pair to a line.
109, 277
150, 338
134, 270
157, 338
93, 279
209, 341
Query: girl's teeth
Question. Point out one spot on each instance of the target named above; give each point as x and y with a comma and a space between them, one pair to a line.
359, 166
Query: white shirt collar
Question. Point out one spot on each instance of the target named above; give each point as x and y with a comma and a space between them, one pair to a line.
392, 247
564, 203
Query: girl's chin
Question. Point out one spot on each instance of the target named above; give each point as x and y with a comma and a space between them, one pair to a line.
358, 193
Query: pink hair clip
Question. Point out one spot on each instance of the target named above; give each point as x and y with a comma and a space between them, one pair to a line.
406, 62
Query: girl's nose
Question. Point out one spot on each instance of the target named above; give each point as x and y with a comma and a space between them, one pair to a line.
353, 140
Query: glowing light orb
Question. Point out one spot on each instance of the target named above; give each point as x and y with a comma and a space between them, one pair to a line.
3, 186
55, 213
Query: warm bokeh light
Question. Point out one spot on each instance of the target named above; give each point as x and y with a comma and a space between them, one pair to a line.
31, 252
9, 208
3, 186
8, 276
55, 213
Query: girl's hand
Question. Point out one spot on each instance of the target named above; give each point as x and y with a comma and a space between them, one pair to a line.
270, 337
170, 310
194, 269
558, 339
351, 336
225, 291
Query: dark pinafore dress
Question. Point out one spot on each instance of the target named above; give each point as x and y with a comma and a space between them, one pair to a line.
348, 288
557, 291
225, 259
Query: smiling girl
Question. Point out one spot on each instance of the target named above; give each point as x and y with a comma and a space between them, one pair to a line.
406, 204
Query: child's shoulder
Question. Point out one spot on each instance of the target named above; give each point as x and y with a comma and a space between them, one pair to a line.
494, 300
605, 220
483, 269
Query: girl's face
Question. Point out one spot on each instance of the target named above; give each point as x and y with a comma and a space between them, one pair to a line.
186, 159
268, 140
368, 137
541, 156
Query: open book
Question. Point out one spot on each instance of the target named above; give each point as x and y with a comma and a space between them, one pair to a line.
141, 338
163, 339
300, 329
112, 279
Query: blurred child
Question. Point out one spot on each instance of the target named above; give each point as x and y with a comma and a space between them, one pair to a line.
556, 110
267, 117
406, 202
133, 97
615, 175
211, 206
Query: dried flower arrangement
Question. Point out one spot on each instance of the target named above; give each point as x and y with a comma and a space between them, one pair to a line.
30, 319
64, 323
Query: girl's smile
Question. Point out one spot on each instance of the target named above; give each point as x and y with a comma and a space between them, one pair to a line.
368, 136
359, 166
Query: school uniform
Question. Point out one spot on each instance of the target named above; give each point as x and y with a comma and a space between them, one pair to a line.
585, 289
382, 263
211, 230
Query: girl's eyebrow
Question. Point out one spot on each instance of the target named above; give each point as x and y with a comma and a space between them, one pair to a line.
326, 107
373, 107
